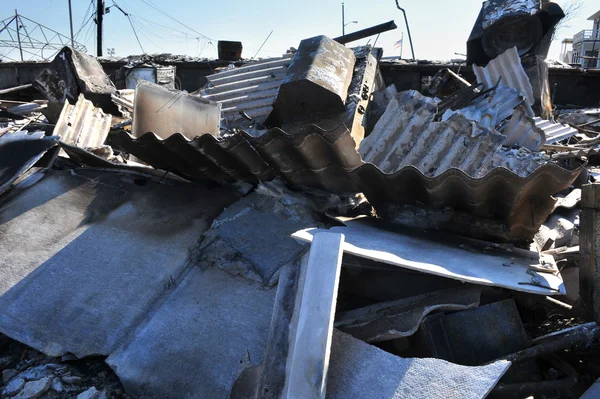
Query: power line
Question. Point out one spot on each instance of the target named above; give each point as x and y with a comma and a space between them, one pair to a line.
84, 21
132, 27
170, 17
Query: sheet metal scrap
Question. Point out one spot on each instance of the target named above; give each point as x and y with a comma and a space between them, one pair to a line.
407, 135
251, 88
311, 157
554, 132
491, 109
19, 152
522, 202
523, 130
506, 69
83, 124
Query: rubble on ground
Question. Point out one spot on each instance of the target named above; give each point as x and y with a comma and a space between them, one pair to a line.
299, 228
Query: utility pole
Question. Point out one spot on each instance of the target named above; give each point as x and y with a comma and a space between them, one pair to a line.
99, 17
18, 34
343, 22
412, 50
71, 22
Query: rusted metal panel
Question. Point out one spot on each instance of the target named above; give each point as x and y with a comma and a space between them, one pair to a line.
310, 157
82, 124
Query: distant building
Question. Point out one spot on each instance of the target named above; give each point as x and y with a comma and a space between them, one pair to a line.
566, 51
586, 45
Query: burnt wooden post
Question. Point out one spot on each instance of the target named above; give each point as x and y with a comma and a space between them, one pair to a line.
589, 265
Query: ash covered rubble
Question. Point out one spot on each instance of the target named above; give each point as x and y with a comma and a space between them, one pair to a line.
298, 228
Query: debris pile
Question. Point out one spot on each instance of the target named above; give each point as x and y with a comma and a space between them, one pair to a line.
297, 228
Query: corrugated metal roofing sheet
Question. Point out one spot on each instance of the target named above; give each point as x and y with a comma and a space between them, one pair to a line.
83, 124
554, 132
491, 109
328, 160
252, 88
523, 203
506, 69
407, 135
521, 130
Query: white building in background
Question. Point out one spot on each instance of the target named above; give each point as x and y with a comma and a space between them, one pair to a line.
566, 51
586, 45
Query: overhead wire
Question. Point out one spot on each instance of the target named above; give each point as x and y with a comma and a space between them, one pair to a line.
130, 23
84, 20
176, 20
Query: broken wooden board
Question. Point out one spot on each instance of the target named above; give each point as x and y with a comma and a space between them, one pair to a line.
516, 269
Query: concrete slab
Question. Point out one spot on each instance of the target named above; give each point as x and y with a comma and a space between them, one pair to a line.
85, 255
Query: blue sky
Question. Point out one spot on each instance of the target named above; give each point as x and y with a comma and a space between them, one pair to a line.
439, 27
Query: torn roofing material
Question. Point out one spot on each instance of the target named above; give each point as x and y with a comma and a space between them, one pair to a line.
360, 370
82, 124
522, 203
522, 130
506, 69
19, 152
164, 111
328, 160
555, 132
407, 135
448, 256
401, 318
252, 88
310, 157
491, 109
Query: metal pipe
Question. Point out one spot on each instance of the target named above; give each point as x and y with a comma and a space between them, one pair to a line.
412, 50
18, 34
361, 34
99, 18
16, 88
71, 23
343, 21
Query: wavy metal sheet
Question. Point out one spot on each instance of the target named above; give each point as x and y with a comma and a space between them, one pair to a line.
328, 160
252, 88
492, 109
554, 132
407, 135
506, 69
523, 203
522, 130
311, 157
83, 124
